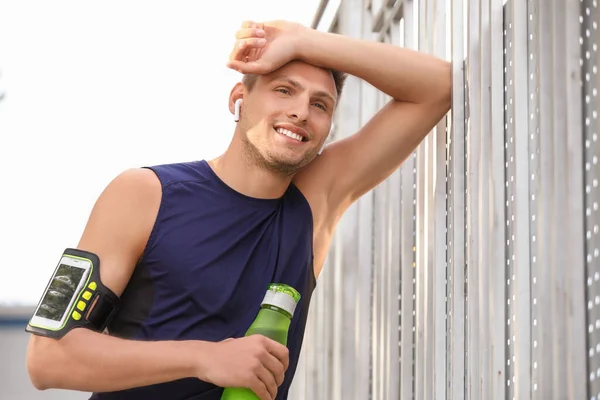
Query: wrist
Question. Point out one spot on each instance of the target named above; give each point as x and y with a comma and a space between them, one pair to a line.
195, 354
305, 39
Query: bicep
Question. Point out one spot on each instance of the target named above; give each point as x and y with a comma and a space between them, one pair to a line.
120, 223
360, 162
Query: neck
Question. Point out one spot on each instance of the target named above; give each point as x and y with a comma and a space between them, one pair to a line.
243, 175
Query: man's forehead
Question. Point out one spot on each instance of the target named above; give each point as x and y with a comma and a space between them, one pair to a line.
304, 74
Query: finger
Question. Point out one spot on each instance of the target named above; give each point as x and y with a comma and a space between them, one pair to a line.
247, 67
251, 42
279, 351
246, 25
251, 55
268, 380
258, 387
243, 48
249, 32
276, 368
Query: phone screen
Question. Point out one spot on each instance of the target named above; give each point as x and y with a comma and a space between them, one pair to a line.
60, 292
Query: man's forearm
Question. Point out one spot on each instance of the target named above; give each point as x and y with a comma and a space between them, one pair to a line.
403, 74
88, 361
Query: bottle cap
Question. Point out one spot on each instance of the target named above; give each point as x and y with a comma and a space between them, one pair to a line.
282, 296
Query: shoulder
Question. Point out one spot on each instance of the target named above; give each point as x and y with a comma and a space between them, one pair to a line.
131, 197
134, 183
168, 174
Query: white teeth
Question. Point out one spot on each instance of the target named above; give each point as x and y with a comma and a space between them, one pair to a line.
289, 134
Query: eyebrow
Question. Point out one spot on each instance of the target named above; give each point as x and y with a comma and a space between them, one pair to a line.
298, 85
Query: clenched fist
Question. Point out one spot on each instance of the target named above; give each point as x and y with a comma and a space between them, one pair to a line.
254, 362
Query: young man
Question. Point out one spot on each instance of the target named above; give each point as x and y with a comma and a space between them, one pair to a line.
190, 248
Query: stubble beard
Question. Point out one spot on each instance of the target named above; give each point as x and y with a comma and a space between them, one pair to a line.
270, 162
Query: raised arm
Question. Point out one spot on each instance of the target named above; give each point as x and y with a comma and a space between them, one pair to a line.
419, 84
420, 87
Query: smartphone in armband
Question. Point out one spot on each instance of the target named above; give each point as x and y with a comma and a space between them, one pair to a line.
58, 301
74, 298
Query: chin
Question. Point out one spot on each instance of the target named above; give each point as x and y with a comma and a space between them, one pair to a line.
277, 158
290, 165
280, 162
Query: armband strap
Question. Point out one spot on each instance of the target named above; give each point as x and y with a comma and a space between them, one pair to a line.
92, 305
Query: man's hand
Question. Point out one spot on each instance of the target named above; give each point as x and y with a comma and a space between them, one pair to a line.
261, 48
254, 362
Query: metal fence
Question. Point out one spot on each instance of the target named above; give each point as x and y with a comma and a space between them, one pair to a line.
473, 271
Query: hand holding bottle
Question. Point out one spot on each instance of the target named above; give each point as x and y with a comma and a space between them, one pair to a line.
273, 322
254, 362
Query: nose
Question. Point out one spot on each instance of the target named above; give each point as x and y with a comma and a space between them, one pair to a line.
299, 111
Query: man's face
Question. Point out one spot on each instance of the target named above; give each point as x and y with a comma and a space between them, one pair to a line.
286, 117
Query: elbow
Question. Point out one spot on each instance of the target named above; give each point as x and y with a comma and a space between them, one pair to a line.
438, 95
38, 362
441, 104
35, 369
446, 101
446, 87
37, 379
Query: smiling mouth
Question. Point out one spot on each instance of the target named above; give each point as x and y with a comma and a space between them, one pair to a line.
290, 134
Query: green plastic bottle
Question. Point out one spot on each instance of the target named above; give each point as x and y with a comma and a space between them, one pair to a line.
273, 321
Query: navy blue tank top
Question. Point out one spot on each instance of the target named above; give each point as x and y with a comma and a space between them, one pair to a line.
208, 262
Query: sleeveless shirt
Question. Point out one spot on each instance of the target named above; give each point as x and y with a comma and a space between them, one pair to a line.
206, 267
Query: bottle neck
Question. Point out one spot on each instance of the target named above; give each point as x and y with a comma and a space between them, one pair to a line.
277, 309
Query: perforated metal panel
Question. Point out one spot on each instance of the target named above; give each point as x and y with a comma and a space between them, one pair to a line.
437, 383
509, 133
533, 74
590, 41
498, 272
483, 221
408, 235
449, 269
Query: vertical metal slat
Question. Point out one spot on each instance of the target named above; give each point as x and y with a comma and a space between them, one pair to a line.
498, 257
395, 265
484, 259
473, 161
568, 272
420, 245
520, 228
458, 206
407, 303
590, 59
436, 373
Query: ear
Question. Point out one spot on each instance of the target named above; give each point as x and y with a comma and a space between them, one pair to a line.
237, 93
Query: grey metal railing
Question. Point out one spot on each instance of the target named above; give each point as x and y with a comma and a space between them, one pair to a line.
473, 271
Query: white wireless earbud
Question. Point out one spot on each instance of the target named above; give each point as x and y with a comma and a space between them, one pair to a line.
236, 115
320, 151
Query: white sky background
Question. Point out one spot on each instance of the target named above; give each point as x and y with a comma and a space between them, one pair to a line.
93, 88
